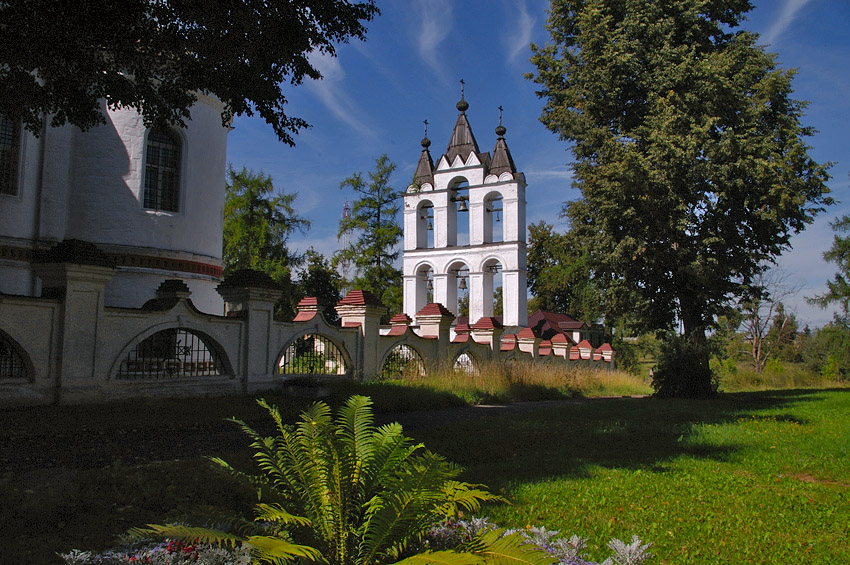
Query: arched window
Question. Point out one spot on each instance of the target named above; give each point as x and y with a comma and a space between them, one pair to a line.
162, 171
12, 365
172, 353
402, 361
312, 354
10, 144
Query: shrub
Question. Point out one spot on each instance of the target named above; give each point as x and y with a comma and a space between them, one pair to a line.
683, 369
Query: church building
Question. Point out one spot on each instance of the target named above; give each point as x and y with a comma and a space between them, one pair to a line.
464, 226
151, 199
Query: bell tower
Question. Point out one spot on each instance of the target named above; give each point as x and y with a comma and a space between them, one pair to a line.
440, 253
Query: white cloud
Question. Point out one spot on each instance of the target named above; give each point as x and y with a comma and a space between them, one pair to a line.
435, 23
783, 21
518, 41
330, 92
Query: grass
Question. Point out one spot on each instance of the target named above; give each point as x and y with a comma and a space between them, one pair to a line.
758, 477
747, 478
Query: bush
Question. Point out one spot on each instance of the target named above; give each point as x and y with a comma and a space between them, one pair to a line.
683, 369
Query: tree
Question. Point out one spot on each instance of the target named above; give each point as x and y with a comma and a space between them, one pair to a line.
839, 286
257, 225
62, 57
374, 216
321, 280
766, 326
559, 274
689, 153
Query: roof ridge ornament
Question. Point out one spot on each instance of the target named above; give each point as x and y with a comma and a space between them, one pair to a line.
462, 105
500, 129
425, 141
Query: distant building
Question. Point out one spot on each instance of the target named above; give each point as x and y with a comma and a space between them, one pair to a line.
151, 199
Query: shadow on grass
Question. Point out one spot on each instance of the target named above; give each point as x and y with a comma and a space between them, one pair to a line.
568, 440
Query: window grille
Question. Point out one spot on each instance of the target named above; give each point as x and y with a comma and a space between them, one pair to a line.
402, 361
162, 171
312, 354
10, 143
171, 353
11, 363
465, 363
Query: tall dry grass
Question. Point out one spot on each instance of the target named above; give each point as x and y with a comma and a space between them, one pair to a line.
517, 381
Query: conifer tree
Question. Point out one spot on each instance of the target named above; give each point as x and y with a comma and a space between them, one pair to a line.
838, 289
374, 217
258, 222
689, 153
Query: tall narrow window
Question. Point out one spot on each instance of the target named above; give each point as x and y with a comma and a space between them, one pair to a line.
10, 143
162, 171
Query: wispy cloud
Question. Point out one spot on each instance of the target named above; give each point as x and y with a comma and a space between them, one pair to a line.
330, 92
518, 40
783, 21
435, 22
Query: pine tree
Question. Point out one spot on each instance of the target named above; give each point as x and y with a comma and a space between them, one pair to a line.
839, 287
689, 153
374, 216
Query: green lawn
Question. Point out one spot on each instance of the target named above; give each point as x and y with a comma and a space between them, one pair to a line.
758, 477
747, 478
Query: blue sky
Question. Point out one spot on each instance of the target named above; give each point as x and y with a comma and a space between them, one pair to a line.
376, 94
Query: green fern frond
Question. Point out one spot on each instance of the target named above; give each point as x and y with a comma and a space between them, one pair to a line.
466, 496
445, 557
276, 513
187, 533
278, 550
512, 549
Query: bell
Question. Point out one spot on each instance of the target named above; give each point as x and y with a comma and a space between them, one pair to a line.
462, 206
430, 224
429, 285
498, 216
462, 284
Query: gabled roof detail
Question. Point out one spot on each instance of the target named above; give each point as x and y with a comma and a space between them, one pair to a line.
502, 161
526, 333
425, 169
487, 323
360, 298
462, 142
434, 309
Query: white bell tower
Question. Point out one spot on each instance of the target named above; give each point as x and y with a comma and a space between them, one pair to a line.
438, 259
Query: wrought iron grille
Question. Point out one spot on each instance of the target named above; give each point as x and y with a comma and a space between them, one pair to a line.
171, 353
11, 363
162, 172
402, 361
465, 363
10, 139
312, 354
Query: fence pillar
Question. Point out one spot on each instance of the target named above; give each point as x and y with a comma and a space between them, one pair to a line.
252, 295
360, 308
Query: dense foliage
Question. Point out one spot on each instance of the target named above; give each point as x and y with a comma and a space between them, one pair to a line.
374, 219
319, 279
63, 58
689, 154
258, 221
839, 287
354, 493
559, 274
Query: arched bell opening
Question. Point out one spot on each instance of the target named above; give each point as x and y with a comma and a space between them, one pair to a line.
459, 212
457, 288
425, 225
494, 231
424, 286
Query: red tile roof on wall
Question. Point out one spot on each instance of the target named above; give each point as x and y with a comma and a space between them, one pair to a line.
605, 347
308, 301
508, 342
547, 324
397, 330
545, 347
359, 298
561, 338
526, 333
461, 338
400, 319
304, 316
487, 323
435, 309
584, 344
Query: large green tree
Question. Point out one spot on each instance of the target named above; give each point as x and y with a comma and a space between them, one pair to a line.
258, 221
62, 57
319, 279
374, 218
689, 153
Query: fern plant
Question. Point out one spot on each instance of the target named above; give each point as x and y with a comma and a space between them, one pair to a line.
352, 494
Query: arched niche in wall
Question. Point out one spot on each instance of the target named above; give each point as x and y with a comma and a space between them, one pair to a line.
465, 362
312, 354
425, 225
173, 353
402, 361
458, 285
494, 231
15, 364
